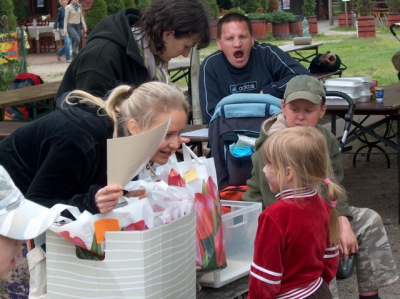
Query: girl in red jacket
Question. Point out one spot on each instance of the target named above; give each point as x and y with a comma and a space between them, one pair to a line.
296, 246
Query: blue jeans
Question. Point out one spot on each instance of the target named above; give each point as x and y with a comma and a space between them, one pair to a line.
75, 32
67, 46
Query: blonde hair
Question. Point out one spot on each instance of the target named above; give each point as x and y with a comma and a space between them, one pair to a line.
142, 104
305, 151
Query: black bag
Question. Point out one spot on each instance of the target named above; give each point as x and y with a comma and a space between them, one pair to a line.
326, 63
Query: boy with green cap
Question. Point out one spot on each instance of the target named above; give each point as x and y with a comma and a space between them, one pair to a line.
362, 231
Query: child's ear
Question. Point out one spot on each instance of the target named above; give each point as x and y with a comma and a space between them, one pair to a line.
289, 174
133, 127
323, 110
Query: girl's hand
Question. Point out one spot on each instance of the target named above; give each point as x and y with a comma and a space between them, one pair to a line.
107, 198
84, 29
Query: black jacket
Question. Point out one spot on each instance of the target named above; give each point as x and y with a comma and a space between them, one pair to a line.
59, 22
110, 58
60, 157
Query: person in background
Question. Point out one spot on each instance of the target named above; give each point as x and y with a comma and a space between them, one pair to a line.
242, 65
300, 223
362, 231
133, 47
62, 156
59, 24
20, 220
74, 23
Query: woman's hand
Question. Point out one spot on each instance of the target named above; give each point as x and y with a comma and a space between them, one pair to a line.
107, 198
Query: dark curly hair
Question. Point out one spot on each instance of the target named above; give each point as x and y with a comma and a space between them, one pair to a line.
185, 17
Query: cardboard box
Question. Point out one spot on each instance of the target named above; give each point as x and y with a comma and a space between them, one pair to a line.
240, 227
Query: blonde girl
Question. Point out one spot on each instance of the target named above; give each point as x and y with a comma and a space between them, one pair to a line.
296, 247
62, 157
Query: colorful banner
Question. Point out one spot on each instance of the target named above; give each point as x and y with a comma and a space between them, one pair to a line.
40, 3
8, 47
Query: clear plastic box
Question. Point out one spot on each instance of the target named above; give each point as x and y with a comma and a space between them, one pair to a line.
240, 227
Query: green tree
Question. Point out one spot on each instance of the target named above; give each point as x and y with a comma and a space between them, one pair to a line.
97, 12
114, 6
309, 8
7, 9
251, 6
142, 4
212, 9
129, 3
21, 10
272, 5
225, 4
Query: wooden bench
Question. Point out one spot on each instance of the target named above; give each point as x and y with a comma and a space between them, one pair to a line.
7, 127
324, 76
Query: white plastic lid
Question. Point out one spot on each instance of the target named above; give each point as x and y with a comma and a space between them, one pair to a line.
362, 79
341, 82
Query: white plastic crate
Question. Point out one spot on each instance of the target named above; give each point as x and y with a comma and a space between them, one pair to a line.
240, 227
350, 87
365, 92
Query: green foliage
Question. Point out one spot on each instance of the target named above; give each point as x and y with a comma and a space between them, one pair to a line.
364, 7
238, 10
129, 3
256, 16
224, 4
114, 6
7, 9
280, 16
142, 4
21, 10
212, 9
272, 5
309, 8
393, 5
250, 6
97, 12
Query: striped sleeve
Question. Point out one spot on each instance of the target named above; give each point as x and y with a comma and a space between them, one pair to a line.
331, 262
266, 273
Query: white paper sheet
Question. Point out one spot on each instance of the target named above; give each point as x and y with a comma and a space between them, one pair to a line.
126, 156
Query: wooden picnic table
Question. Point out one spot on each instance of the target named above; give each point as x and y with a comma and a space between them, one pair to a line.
389, 110
30, 94
296, 51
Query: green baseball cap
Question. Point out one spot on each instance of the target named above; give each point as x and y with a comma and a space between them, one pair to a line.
304, 87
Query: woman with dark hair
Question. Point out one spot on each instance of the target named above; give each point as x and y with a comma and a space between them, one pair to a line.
134, 47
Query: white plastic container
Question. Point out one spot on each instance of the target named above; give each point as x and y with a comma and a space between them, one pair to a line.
365, 93
348, 86
240, 227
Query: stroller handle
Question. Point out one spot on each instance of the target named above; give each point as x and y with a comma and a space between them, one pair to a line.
348, 118
392, 29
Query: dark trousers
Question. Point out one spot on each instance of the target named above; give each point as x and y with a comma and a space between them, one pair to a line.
75, 33
323, 292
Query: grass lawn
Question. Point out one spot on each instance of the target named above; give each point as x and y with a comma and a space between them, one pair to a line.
367, 57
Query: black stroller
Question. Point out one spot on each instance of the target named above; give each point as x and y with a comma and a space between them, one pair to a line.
345, 269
